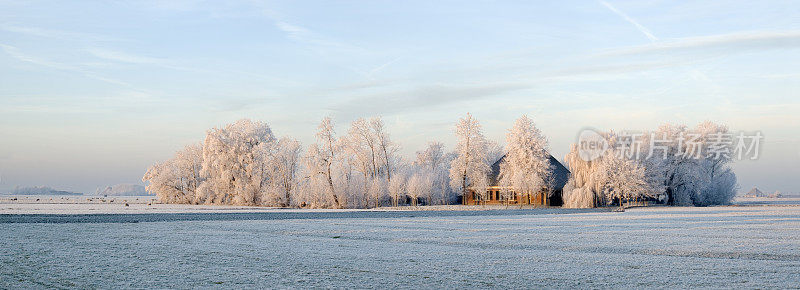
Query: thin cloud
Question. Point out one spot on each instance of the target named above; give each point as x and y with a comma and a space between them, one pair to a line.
128, 58
17, 54
424, 97
293, 31
379, 68
125, 101
304, 35
299, 33
613, 68
335, 52
781, 76
627, 18
56, 34
123, 57
375, 70
733, 42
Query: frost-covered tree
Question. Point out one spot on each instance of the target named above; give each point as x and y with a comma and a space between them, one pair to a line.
387, 149
621, 179
240, 163
321, 165
432, 157
677, 161
234, 166
448, 194
470, 168
684, 166
526, 166
719, 189
287, 162
718, 184
362, 145
495, 151
693, 162
379, 189
176, 179
613, 177
436, 162
369, 151
420, 184
582, 187
397, 187
353, 171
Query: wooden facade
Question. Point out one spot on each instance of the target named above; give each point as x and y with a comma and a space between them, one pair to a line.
494, 195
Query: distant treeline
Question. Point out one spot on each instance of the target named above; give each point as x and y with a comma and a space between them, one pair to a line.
41, 190
123, 190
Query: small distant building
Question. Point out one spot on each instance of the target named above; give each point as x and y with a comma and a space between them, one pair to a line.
546, 196
776, 194
755, 192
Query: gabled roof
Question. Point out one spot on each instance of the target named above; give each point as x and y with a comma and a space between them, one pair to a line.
560, 172
755, 192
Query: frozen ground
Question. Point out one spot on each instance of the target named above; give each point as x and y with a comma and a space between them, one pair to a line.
31, 204
750, 246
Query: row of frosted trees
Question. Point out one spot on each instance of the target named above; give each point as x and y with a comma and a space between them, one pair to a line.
678, 173
244, 163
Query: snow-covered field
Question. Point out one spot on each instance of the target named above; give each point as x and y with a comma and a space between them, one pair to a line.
754, 245
31, 204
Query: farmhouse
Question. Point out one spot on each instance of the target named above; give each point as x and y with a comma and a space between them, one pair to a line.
546, 196
755, 192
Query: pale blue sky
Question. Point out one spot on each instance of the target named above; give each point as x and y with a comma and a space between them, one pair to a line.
93, 92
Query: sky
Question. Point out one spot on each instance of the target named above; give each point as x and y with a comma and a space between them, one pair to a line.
94, 92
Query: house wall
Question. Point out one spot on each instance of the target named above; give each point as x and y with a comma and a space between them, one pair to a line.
495, 197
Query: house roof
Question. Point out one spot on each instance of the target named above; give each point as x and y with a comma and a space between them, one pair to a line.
560, 172
755, 192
